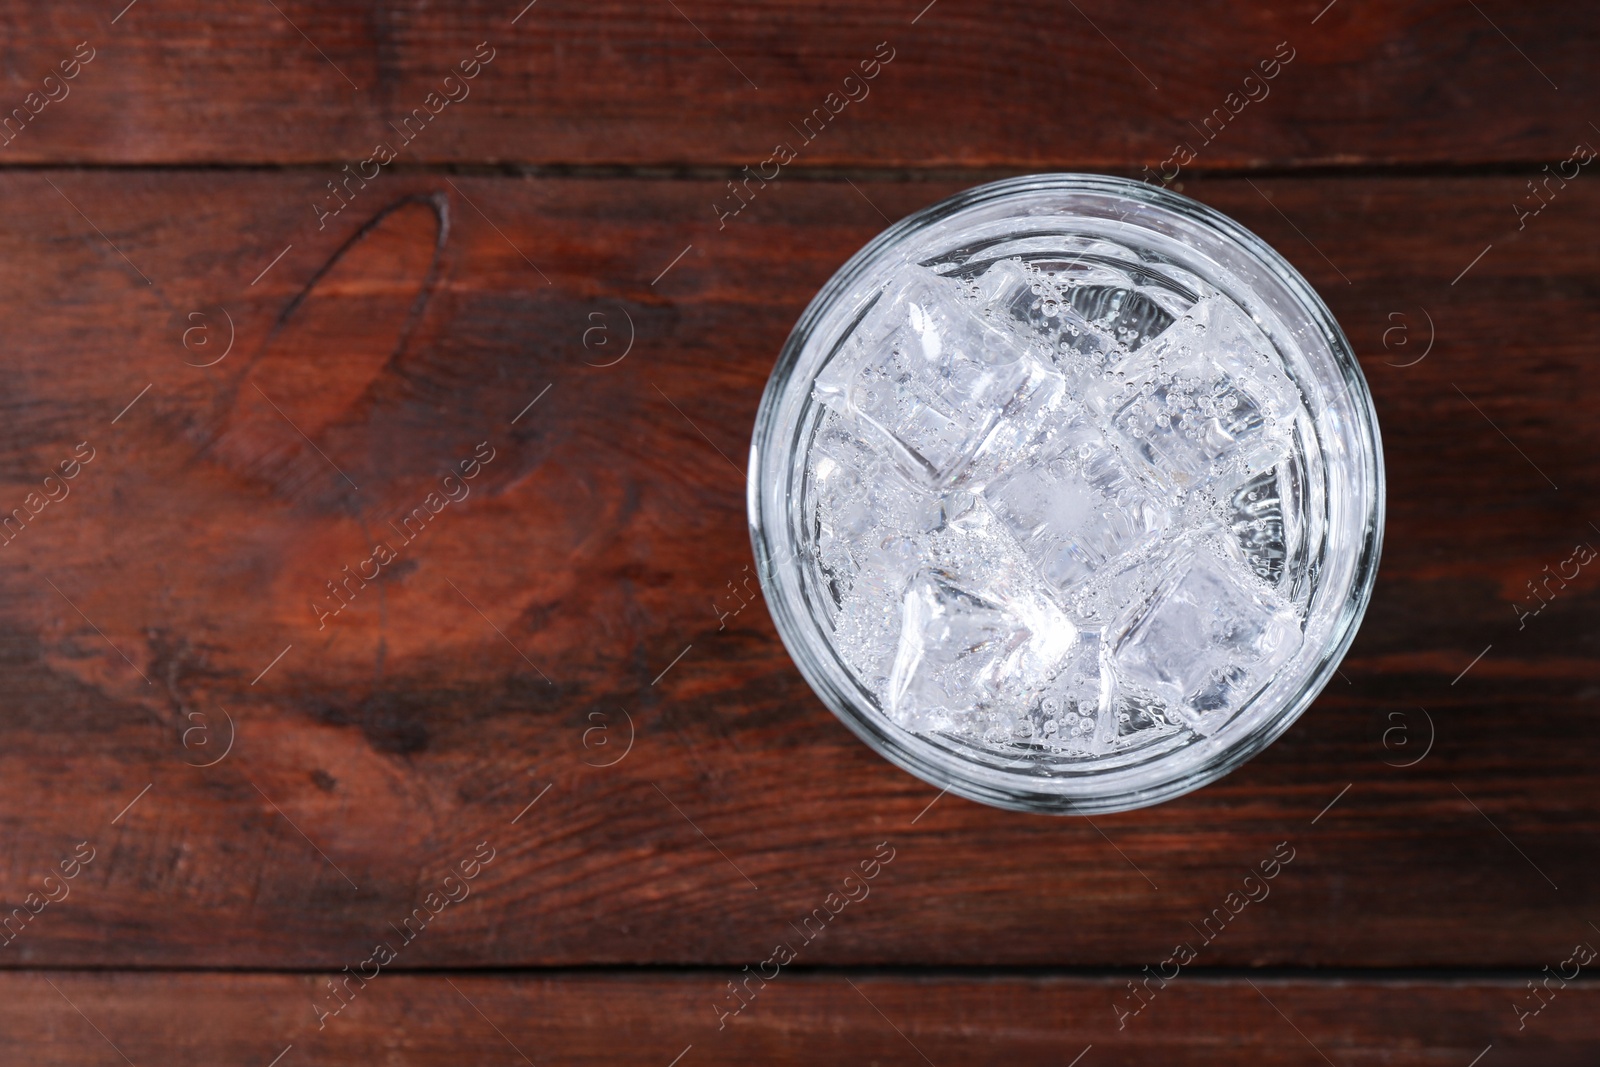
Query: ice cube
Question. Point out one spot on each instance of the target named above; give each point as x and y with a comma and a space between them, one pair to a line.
875, 529
1129, 316
870, 524
857, 489
841, 481
1203, 394
1255, 516
843, 488
1139, 716
1110, 592
871, 595
964, 651
1097, 294
1209, 639
887, 567
928, 375
1076, 714
1039, 305
1029, 420
1072, 505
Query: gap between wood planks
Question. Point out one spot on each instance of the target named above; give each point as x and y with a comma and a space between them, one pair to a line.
1514, 975
670, 171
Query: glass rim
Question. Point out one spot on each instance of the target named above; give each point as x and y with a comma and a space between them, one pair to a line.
768, 470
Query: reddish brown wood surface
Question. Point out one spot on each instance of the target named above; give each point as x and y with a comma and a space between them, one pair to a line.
1007, 84
242, 350
647, 1020
572, 591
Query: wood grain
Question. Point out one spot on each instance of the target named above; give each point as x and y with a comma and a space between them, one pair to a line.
175, 590
648, 1019
277, 318
1004, 84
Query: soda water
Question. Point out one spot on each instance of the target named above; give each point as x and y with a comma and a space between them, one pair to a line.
1054, 502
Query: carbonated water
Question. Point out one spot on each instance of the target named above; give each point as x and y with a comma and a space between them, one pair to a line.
1054, 504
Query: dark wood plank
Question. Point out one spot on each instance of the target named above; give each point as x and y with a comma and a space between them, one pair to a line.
574, 587
999, 84
199, 1018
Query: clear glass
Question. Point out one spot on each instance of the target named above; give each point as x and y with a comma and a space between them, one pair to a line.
1171, 248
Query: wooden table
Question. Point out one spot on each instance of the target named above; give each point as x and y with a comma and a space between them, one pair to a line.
287, 282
